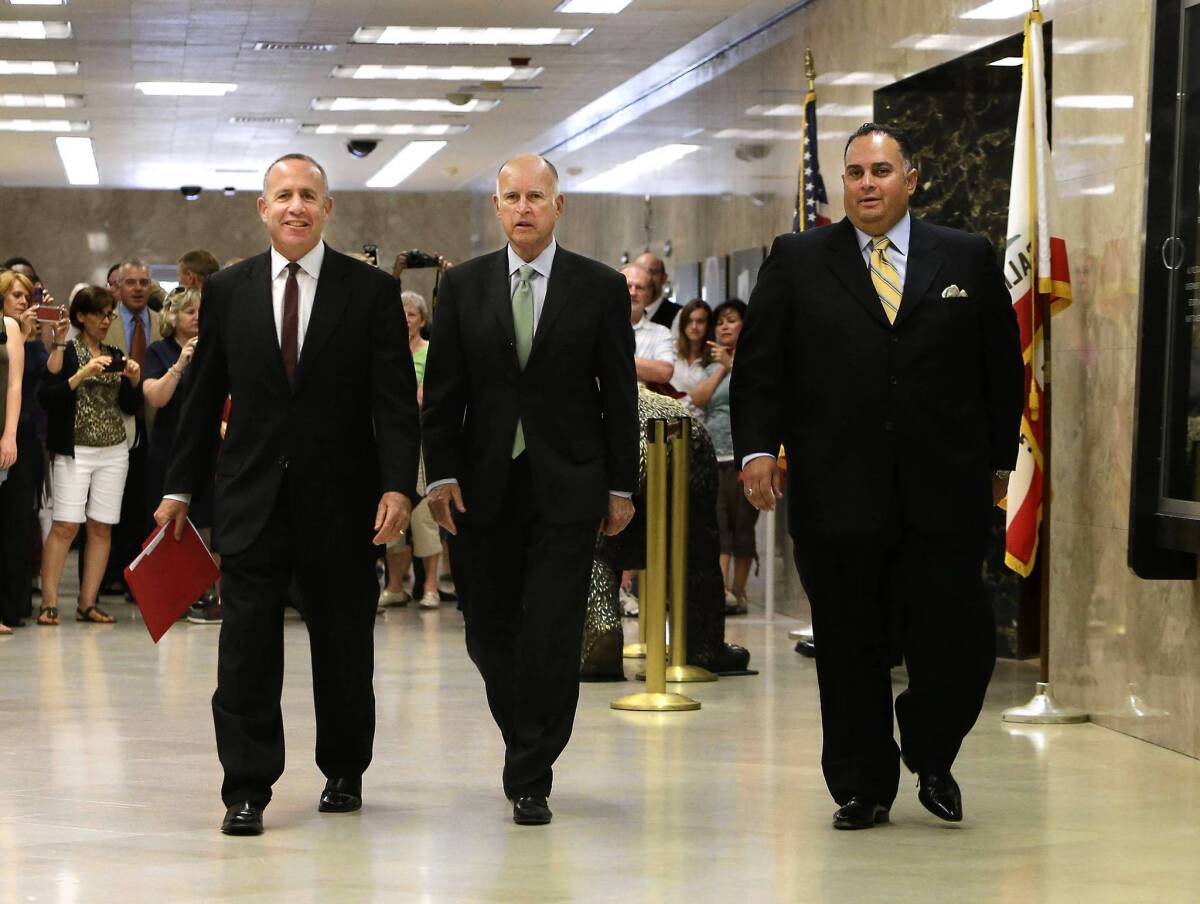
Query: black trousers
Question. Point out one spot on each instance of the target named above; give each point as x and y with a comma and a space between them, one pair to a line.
523, 584
923, 594
339, 591
18, 495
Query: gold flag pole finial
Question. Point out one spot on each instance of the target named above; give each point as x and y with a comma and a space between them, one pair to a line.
1037, 6
810, 69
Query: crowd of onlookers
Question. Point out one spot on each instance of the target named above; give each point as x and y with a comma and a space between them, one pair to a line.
94, 386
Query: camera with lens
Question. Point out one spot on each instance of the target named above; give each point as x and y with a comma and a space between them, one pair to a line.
415, 260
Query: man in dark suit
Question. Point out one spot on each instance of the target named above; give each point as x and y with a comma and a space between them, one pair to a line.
531, 444
317, 468
883, 353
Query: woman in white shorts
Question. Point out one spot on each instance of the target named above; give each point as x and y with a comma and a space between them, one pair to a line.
85, 404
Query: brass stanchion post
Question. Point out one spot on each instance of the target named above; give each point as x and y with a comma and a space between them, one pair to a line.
653, 597
638, 650
681, 440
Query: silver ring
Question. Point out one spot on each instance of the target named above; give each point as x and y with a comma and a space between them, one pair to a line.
749, 491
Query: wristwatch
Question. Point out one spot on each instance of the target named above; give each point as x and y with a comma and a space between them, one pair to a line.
1001, 474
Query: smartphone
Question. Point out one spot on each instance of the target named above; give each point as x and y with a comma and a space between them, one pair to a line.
38, 294
49, 313
372, 251
116, 365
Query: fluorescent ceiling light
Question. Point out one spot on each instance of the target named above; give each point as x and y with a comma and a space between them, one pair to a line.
643, 163
35, 31
999, 9
531, 37
55, 101
776, 110
1099, 190
601, 7
872, 79
78, 160
37, 2
403, 104
372, 129
1088, 45
1084, 141
44, 125
39, 67
958, 43
845, 111
185, 89
758, 134
439, 73
1007, 61
404, 164
1095, 102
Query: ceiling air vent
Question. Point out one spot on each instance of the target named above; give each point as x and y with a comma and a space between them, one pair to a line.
261, 120
294, 46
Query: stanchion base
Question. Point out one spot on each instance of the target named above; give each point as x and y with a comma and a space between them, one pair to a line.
1043, 709
655, 703
634, 651
801, 634
683, 674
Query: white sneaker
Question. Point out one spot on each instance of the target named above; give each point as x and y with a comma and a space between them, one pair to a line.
394, 598
430, 600
731, 599
629, 604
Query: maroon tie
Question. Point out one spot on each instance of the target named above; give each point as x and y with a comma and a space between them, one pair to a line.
137, 348
289, 344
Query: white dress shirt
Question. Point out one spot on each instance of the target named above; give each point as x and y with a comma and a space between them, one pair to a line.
306, 282
899, 236
653, 341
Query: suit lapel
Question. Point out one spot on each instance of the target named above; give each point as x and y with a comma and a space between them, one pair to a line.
499, 299
328, 307
846, 261
259, 318
558, 293
925, 259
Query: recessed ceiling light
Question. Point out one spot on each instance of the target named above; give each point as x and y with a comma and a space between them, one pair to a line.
404, 164
775, 110
44, 125
1099, 190
1007, 61
531, 37
620, 175
600, 7
48, 101
373, 129
185, 89
79, 160
872, 79
35, 31
403, 104
1084, 141
998, 9
37, 2
846, 111
439, 73
39, 67
957, 43
1095, 102
758, 134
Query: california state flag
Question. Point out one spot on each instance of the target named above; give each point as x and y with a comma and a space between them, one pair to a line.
1035, 267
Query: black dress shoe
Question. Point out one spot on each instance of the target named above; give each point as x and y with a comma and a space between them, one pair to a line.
341, 795
938, 793
242, 818
859, 813
806, 648
531, 810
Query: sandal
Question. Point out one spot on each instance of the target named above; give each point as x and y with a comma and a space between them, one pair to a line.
48, 615
93, 614
5, 629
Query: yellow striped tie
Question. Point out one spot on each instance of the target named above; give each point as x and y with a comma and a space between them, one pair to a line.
885, 277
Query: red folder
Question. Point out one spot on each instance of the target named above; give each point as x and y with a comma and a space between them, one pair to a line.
169, 575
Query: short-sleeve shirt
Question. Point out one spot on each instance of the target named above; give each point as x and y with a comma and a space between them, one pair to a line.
419, 357
653, 342
98, 418
717, 422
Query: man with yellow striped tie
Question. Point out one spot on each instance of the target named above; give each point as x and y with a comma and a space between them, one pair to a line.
882, 351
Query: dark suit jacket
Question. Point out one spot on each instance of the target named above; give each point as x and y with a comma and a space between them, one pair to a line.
880, 419
666, 313
576, 398
343, 433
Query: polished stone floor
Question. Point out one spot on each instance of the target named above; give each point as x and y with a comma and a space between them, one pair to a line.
110, 791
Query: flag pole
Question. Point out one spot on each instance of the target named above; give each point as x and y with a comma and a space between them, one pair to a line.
1042, 708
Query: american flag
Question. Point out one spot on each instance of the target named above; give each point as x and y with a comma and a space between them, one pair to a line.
811, 201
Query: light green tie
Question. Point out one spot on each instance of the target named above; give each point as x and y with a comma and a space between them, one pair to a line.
522, 308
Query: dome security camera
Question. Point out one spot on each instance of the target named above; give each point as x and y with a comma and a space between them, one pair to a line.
361, 147
190, 192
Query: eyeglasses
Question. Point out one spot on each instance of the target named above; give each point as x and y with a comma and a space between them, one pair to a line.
107, 315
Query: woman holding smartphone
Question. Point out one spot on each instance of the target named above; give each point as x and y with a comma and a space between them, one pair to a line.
86, 402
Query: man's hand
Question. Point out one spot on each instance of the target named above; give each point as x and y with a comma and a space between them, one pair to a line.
999, 489
761, 483
391, 519
172, 510
443, 501
620, 513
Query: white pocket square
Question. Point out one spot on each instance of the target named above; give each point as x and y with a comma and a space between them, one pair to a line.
954, 292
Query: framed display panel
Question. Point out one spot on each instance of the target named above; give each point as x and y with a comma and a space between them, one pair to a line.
744, 265
686, 284
715, 288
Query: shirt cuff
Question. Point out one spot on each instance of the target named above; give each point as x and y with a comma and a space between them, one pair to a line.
753, 455
622, 493
445, 481
185, 498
